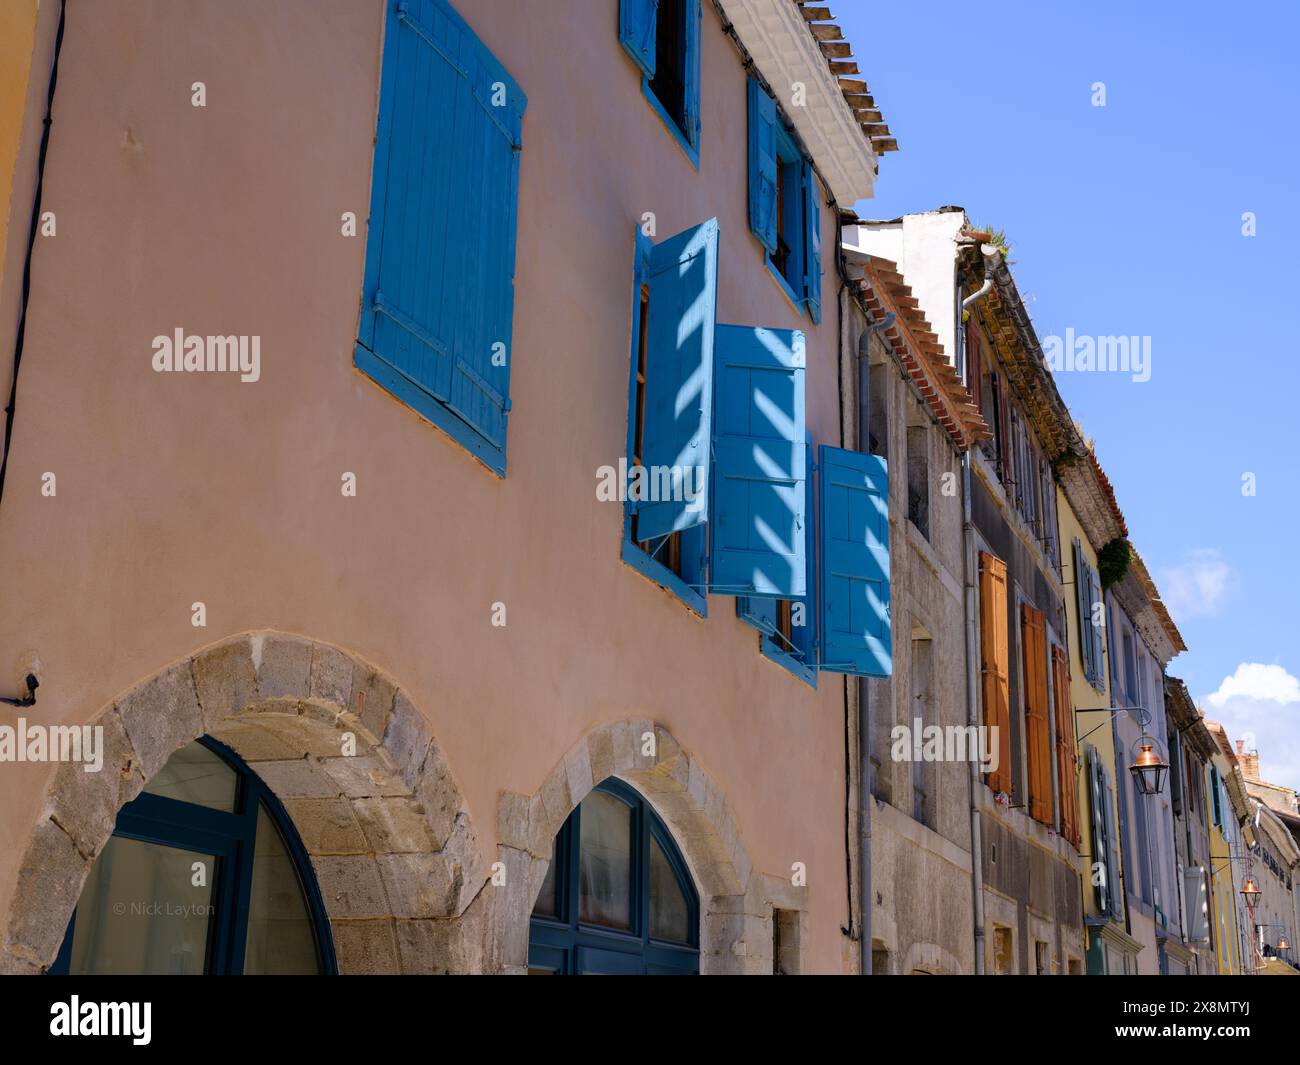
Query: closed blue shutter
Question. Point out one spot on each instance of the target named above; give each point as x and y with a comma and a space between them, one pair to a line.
1100, 838
762, 165
757, 544
812, 256
636, 31
1083, 604
438, 304
854, 533
682, 312
1098, 631
1112, 843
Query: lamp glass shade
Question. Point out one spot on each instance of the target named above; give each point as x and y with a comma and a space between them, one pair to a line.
1250, 890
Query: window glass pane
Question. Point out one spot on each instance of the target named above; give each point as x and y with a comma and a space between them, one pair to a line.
195, 774
546, 902
280, 939
140, 911
604, 861
669, 914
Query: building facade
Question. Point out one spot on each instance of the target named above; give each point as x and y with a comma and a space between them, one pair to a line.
362, 335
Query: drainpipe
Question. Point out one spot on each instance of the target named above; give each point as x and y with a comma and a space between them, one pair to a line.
972, 649
866, 776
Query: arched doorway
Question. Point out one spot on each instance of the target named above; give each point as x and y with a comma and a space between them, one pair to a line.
618, 897
204, 874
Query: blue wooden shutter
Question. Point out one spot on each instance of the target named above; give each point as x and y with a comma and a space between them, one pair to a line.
636, 31
1100, 839
804, 636
691, 82
762, 165
757, 611
1098, 631
1081, 590
682, 312
757, 543
854, 534
812, 254
439, 291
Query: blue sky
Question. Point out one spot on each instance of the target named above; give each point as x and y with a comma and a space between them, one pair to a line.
1127, 220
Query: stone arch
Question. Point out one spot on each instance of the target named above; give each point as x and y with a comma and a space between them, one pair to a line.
930, 958
380, 815
736, 904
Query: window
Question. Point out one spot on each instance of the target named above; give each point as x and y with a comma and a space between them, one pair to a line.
995, 658
924, 771
203, 874
1105, 851
670, 409
617, 898
1033, 642
878, 403
1003, 956
784, 204
788, 627
1087, 591
918, 478
663, 37
1042, 958
1067, 762
438, 301
785, 943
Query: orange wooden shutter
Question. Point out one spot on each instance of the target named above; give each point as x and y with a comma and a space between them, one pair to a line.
995, 656
1067, 765
1038, 732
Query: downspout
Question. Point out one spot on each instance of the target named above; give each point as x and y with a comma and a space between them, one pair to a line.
866, 776
969, 569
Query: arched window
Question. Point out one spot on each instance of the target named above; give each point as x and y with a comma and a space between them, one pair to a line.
618, 897
203, 874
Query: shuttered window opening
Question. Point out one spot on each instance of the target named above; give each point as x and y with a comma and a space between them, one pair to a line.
784, 204
1089, 604
663, 38
670, 409
1067, 763
438, 301
789, 627
1105, 847
1038, 725
995, 658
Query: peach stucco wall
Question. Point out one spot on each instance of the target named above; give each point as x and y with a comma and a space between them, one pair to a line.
190, 487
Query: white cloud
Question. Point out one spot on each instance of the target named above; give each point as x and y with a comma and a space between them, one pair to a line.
1198, 587
1260, 704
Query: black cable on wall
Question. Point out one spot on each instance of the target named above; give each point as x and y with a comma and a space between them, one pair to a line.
31, 244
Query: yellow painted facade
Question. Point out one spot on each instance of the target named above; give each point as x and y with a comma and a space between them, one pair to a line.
1083, 696
17, 38
1223, 899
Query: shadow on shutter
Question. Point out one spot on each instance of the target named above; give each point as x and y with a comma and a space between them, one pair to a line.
854, 532
759, 475
1039, 751
681, 321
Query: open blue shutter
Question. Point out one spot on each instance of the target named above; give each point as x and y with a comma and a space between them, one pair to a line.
854, 521
1097, 805
762, 165
682, 312
804, 636
691, 100
439, 292
759, 612
1081, 589
757, 543
636, 31
812, 256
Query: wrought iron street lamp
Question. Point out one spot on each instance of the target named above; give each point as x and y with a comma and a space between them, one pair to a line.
1148, 770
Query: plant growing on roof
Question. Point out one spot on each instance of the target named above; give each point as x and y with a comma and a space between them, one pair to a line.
998, 238
1113, 561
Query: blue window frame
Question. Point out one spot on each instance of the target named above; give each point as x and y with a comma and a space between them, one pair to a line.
618, 897
670, 409
663, 37
438, 299
784, 204
241, 867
